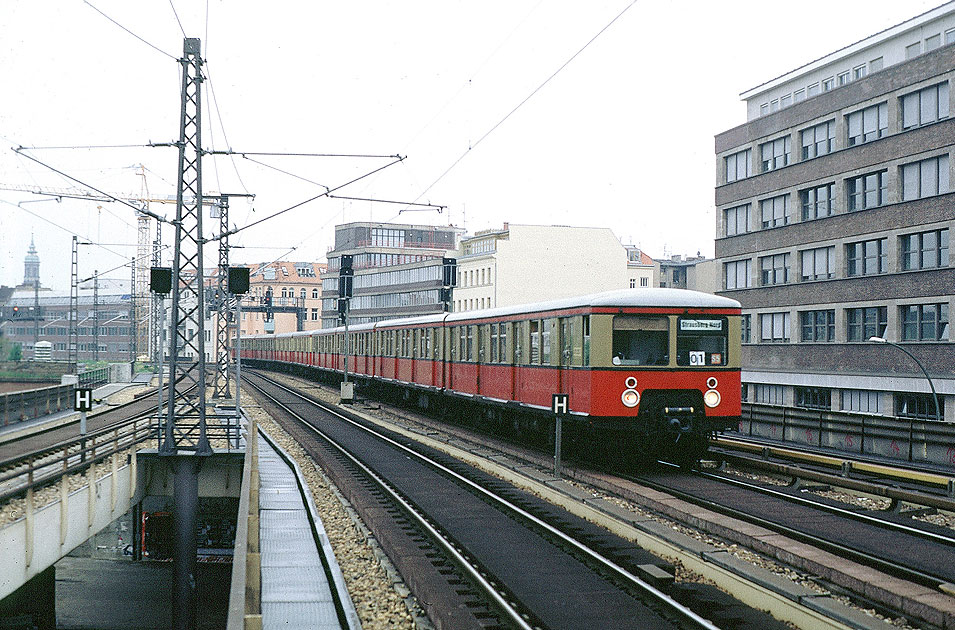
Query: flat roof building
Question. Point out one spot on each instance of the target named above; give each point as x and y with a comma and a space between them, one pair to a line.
535, 263
834, 210
399, 270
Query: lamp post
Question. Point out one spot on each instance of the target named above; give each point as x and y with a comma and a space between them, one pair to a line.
927, 377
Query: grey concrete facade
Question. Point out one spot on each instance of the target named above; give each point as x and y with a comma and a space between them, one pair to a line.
799, 366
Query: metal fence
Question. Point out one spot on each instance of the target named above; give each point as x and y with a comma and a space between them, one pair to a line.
33, 403
909, 439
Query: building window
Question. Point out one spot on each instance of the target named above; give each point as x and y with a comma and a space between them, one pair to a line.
799, 95
828, 84
816, 202
911, 405
774, 154
774, 269
843, 78
315, 314
813, 89
769, 394
382, 237
925, 178
738, 274
925, 106
774, 105
764, 109
859, 400
926, 250
746, 328
818, 263
913, 50
859, 71
866, 191
818, 325
314, 294
633, 283
736, 220
924, 322
875, 65
774, 212
817, 140
868, 124
866, 258
785, 101
933, 42
774, 327
950, 36
862, 323
738, 165
813, 397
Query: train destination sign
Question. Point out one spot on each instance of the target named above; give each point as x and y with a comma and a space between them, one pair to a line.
701, 324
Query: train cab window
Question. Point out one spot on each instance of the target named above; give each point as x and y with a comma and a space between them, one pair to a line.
535, 353
701, 341
641, 340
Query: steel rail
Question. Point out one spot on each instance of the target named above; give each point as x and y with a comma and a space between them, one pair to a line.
682, 611
898, 570
847, 513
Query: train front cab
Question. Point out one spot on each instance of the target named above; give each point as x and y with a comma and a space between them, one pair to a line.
664, 382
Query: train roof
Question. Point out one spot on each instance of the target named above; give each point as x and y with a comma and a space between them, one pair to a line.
642, 297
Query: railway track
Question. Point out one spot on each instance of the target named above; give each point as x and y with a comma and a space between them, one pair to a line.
884, 541
480, 553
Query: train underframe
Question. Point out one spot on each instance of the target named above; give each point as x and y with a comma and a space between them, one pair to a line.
671, 425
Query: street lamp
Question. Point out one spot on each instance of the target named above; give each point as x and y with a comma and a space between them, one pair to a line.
927, 377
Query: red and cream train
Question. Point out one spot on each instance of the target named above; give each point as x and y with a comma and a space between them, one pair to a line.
650, 373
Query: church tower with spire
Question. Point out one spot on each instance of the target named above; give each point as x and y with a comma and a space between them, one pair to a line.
31, 267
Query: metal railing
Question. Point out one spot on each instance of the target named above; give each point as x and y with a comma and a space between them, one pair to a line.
44, 467
32, 403
910, 439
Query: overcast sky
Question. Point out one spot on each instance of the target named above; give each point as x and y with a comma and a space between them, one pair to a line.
620, 137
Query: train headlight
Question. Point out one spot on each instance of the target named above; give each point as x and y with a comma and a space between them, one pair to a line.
630, 398
711, 398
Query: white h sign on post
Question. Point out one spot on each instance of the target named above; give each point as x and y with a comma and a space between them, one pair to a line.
83, 399
560, 405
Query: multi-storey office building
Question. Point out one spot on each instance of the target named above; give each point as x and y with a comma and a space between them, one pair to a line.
834, 210
398, 270
103, 322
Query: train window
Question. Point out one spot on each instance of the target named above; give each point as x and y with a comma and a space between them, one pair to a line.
701, 341
535, 354
493, 338
502, 344
641, 340
546, 327
470, 342
585, 329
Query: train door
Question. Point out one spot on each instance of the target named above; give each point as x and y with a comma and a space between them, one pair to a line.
478, 356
